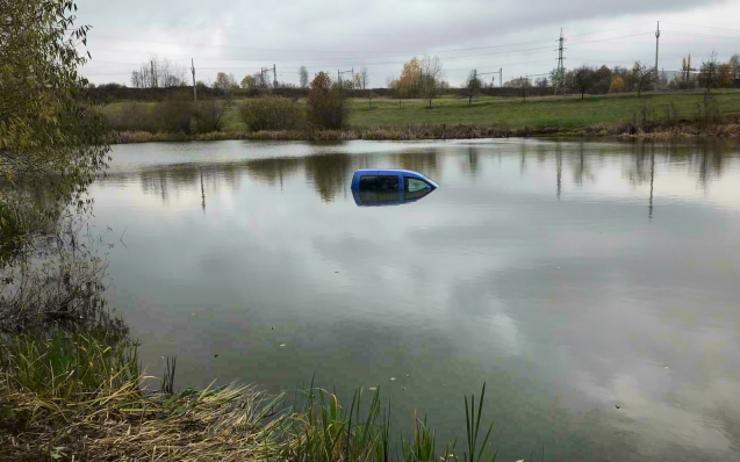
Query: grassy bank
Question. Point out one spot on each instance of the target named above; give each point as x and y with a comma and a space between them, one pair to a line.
652, 115
67, 395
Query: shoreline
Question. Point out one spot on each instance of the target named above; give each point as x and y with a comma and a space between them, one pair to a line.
683, 129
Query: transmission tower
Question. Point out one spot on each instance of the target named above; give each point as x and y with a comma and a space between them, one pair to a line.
561, 63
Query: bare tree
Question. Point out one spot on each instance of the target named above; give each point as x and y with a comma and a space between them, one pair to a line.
709, 73
157, 73
431, 78
641, 77
303, 72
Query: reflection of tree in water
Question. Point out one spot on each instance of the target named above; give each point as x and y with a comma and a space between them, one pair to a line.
423, 162
639, 170
273, 170
30, 206
329, 173
709, 161
522, 158
542, 151
164, 180
559, 167
581, 168
161, 180
471, 165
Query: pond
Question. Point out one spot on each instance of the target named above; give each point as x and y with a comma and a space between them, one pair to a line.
595, 287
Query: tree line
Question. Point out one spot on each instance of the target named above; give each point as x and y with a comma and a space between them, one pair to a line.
423, 78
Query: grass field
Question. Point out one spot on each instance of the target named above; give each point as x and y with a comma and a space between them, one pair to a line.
562, 112
553, 113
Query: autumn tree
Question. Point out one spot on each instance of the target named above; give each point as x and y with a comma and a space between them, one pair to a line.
408, 84
617, 84
326, 105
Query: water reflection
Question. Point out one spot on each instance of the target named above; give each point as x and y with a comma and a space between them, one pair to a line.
570, 276
329, 174
377, 199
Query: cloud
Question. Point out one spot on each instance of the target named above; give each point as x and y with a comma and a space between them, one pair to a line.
237, 36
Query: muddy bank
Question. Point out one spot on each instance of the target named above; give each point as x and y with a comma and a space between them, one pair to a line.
729, 128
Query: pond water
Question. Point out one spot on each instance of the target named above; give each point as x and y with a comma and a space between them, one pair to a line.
595, 287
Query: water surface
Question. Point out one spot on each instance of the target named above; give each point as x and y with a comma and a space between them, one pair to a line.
593, 286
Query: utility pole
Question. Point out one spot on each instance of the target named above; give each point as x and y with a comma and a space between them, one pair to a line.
195, 89
154, 76
501, 77
688, 70
274, 77
657, 48
561, 64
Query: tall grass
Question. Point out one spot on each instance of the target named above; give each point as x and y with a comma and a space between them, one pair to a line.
81, 395
69, 366
325, 431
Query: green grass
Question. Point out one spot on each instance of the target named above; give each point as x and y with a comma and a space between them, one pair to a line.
562, 112
550, 113
63, 365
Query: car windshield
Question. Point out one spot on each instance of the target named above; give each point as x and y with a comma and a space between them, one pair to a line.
415, 185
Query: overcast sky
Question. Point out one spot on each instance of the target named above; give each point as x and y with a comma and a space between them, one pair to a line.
239, 37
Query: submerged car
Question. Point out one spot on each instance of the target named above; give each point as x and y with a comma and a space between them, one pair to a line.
375, 187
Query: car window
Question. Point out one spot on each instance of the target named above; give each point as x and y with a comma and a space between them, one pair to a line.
379, 183
415, 185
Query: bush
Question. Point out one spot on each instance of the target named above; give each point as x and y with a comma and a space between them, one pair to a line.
208, 116
326, 108
175, 116
271, 113
172, 116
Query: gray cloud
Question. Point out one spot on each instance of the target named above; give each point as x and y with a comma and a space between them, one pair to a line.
241, 36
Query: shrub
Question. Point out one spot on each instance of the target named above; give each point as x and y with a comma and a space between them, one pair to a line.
130, 117
175, 116
271, 113
172, 116
208, 116
326, 108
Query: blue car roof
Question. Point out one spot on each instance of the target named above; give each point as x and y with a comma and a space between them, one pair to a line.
394, 171
380, 171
